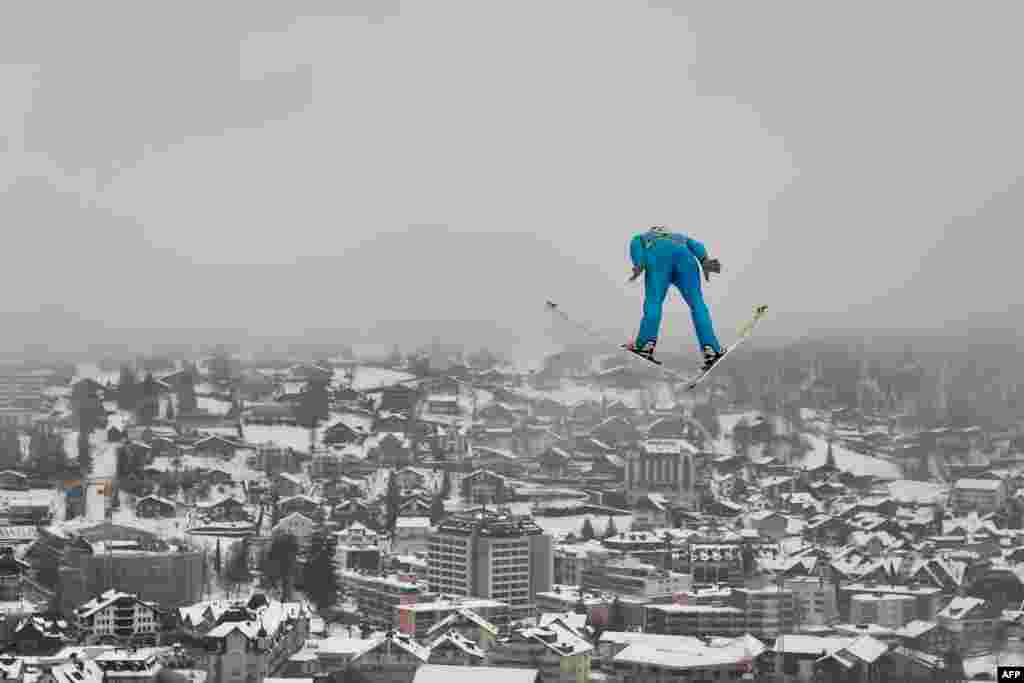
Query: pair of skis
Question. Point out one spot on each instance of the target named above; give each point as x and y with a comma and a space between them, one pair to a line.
689, 381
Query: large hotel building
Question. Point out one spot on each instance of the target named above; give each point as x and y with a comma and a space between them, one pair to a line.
491, 555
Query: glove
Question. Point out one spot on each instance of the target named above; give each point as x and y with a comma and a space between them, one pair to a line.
711, 265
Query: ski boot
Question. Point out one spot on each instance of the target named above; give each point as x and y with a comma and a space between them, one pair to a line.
646, 351
710, 358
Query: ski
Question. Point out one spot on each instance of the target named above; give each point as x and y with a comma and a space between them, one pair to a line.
743, 334
690, 381
657, 365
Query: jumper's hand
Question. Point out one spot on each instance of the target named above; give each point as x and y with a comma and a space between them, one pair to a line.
636, 274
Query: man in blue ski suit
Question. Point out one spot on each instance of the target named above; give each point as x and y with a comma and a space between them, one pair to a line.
668, 258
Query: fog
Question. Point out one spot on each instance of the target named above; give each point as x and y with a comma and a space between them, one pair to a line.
276, 169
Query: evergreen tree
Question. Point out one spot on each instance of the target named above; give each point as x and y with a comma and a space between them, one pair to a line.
10, 449
437, 512
587, 533
446, 485
581, 606
321, 581
617, 616
314, 404
610, 529
236, 571
84, 455
127, 389
186, 390
149, 401
953, 667
280, 563
88, 408
392, 500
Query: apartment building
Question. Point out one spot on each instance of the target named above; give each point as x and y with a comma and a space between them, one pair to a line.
378, 597
629, 577
491, 555
767, 611
116, 617
695, 620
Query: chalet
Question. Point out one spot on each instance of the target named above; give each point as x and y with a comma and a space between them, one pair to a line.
119, 618
670, 428
38, 636
391, 451
287, 484
298, 525
495, 459
927, 636
226, 509
590, 447
410, 478
393, 658
610, 465
216, 446
469, 624
341, 433
443, 405
485, 487
310, 372
454, 649
554, 462
539, 437
415, 506
500, 438
151, 507
352, 511
302, 504
770, 524
498, 415
398, 399
13, 481
974, 623
616, 430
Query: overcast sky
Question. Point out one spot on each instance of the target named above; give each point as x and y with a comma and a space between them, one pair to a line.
259, 164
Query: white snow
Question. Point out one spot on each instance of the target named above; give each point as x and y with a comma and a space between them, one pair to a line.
560, 526
296, 438
367, 377
856, 463
923, 492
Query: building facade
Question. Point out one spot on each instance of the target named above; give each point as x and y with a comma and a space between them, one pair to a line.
491, 555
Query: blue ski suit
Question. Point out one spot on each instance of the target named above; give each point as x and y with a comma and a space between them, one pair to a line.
671, 258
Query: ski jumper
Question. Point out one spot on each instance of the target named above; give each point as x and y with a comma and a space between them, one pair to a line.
671, 259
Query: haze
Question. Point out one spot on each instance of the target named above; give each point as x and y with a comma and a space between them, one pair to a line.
281, 168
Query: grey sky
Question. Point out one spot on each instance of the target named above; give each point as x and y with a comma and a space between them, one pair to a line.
255, 164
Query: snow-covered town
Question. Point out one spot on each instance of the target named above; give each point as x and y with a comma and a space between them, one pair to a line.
223, 519
467, 341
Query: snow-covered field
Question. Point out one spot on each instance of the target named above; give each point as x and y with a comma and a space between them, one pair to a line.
571, 393
367, 377
923, 492
560, 526
848, 460
284, 435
